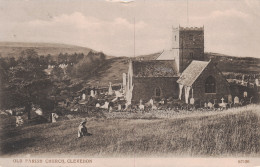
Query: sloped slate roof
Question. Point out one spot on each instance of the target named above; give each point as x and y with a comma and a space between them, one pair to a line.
155, 68
192, 72
166, 55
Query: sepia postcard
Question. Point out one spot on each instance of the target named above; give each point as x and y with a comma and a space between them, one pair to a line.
133, 83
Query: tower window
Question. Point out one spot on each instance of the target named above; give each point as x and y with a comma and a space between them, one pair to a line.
175, 37
157, 92
210, 85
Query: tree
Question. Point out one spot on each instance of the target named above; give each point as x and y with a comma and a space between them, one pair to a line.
89, 64
28, 81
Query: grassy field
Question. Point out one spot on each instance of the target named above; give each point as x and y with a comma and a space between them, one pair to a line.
229, 133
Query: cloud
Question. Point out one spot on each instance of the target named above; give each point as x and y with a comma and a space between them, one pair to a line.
111, 36
80, 21
76, 19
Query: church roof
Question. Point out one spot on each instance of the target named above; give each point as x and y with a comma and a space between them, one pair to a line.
155, 68
192, 72
166, 55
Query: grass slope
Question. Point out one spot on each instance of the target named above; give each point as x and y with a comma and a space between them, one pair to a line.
234, 132
9, 49
111, 71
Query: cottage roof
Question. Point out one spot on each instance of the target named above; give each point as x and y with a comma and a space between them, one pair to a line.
155, 68
166, 55
192, 72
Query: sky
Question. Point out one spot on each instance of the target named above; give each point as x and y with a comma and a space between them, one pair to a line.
231, 27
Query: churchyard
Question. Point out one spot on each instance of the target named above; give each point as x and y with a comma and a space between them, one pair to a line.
167, 127
227, 133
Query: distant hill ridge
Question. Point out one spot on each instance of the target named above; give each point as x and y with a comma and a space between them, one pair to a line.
13, 49
36, 44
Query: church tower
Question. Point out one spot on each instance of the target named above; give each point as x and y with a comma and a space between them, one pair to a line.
187, 45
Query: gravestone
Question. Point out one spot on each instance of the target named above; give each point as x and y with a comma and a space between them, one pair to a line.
151, 102
230, 99
92, 94
83, 96
110, 91
210, 105
119, 107
192, 101
54, 116
38, 111
154, 107
222, 100
141, 106
105, 105
245, 94
97, 105
110, 109
19, 121
236, 100
118, 94
223, 104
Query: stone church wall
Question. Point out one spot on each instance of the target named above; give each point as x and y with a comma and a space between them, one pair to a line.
144, 88
222, 86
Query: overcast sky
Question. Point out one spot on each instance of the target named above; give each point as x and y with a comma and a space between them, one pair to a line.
231, 26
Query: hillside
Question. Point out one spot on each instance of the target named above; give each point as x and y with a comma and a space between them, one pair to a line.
13, 49
113, 68
234, 64
228, 133
152, 56
111, 71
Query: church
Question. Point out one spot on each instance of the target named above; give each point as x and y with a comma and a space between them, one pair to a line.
181, 72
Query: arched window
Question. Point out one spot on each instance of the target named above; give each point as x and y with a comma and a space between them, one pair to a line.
210, 85
157, 92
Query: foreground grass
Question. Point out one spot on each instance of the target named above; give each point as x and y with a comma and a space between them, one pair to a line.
230, 133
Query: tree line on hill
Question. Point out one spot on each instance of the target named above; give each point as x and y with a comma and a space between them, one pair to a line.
23, 80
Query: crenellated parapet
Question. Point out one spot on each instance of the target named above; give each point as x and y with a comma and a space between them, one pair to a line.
188, 28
